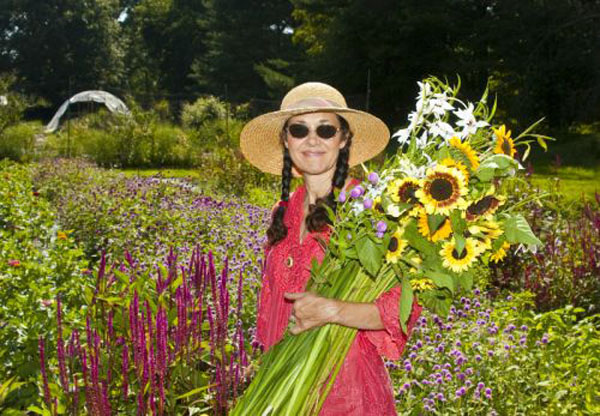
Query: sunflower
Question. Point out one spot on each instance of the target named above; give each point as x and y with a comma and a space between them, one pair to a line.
442, 232
484, 207
451, 163
396, 246
422, 284
466, 151
504, 143
403, 190
377, 206
500, 253
489, 231
443, 190
459, 262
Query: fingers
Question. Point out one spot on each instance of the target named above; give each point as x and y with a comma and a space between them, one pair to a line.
294, 295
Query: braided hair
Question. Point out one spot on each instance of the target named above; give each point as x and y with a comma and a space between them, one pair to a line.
317, 218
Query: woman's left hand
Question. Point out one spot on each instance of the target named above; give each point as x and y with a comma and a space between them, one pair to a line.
311, 311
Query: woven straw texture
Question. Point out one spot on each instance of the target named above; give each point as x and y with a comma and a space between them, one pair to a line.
259, 139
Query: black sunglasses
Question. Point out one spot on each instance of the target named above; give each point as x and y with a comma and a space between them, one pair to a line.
324, 131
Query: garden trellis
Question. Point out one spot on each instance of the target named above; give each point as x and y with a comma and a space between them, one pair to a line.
113, 103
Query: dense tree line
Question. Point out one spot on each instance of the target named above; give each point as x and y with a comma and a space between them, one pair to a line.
540, 56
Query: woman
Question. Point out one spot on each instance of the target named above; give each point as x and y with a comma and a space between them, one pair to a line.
316, 136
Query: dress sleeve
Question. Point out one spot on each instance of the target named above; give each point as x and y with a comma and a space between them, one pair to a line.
391, 340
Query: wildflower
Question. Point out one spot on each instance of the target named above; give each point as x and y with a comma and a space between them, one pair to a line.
14, 263
357, 191
61, 235
368, 203
465, 153
342, 197
396, 245
504, 143
443, 190
468, 121
488, 393
442, 231
373, 178
458, 262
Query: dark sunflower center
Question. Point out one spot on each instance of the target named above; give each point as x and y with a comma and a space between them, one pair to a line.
480, 207
393, 246
441, 189
379, 208
406, 193
462, 255
506, 147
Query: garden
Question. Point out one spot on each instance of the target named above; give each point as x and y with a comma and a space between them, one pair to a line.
134, 290
132, 243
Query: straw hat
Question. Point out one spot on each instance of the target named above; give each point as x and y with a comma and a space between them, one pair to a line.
260, 143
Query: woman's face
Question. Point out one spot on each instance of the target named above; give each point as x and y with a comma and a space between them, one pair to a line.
312, 154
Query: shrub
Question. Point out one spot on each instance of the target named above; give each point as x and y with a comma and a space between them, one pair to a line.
204, 109
565, 269
18, 142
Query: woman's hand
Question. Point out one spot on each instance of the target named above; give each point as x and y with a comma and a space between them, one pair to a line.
311, 311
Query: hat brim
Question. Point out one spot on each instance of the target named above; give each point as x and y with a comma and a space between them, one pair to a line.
261, 146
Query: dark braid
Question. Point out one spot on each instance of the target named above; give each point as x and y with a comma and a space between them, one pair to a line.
278, 230
317, 218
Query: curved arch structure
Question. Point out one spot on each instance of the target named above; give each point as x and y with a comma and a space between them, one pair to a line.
113, 103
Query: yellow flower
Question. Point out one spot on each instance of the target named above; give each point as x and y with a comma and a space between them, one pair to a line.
443, 190
441, 233
484, 207
468, 154
504, 143
489, 231
422, 284
451, 163
403, 190
500, 253
396, 246
61, 235
454, 261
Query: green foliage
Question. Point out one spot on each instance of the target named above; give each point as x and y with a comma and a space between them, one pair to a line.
117, 140
18, 142
38, 260
204, 109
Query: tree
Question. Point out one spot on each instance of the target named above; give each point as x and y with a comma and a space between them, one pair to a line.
249, 49
58, 47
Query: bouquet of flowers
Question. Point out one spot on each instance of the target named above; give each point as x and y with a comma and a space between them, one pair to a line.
433, 211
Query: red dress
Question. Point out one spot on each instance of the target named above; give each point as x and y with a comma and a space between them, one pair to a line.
363, 386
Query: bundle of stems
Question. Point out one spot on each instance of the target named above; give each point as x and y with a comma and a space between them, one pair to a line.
297, 373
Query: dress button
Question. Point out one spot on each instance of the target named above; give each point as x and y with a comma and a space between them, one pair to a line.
289, 262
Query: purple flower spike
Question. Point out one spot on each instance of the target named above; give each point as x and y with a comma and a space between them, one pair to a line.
357, 191
373, 178
368, 203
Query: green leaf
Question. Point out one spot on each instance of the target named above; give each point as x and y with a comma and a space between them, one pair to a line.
442, 279
517, 230
195, 391
369, 254
496, 165
460, 242
406, 301
420, 243
435, 221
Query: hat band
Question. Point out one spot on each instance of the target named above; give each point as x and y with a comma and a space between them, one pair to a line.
313, 102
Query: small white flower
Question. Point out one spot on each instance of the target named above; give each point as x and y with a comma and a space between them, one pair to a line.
468, 121
440, 105
442, 129
422, 141
3, 100
402, 135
